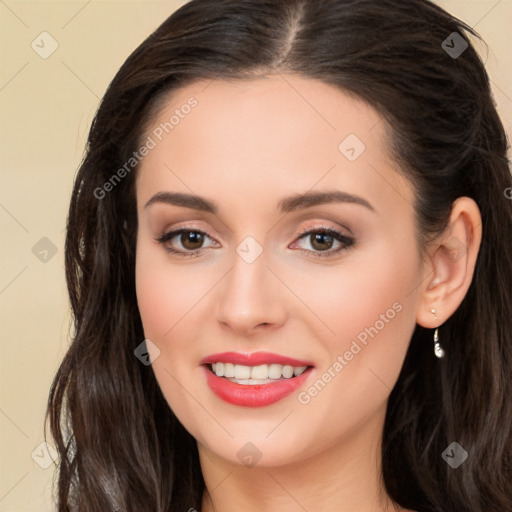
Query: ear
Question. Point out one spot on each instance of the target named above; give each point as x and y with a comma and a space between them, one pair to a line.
451, 261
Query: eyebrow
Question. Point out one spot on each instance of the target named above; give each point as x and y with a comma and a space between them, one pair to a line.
285, 205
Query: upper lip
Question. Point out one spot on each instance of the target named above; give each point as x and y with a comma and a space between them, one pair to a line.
253, 359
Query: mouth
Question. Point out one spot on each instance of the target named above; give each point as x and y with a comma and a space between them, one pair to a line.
257, 384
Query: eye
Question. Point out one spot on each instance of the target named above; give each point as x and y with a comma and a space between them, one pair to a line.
190, 239
322, 239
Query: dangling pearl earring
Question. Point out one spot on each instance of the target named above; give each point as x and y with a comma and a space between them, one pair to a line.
438, 350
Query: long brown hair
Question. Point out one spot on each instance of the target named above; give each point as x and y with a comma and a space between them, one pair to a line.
120, 445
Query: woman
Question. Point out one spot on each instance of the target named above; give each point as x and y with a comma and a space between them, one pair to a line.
288, 259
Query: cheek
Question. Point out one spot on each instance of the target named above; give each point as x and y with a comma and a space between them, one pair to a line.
166, 297
372, 311
165, 292
368, 296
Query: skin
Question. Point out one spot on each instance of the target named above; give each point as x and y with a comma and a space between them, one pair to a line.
246, 145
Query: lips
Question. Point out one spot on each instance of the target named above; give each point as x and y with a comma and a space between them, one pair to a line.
254, 359
248, 392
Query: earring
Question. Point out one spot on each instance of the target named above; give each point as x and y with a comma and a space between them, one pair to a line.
438, 350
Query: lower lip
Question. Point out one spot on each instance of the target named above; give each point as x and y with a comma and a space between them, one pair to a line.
254, 395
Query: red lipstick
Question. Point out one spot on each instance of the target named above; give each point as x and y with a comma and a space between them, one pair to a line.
254, 359
255, 395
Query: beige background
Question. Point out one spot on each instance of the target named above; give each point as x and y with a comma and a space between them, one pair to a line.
46, 107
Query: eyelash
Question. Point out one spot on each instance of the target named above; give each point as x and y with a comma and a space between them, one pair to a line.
346, 241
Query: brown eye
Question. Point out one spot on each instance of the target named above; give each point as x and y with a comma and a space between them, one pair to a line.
190, 240
321, 241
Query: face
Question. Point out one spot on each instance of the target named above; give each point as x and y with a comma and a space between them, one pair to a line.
307, 304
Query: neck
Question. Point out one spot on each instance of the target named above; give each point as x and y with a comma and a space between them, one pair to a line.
342, 477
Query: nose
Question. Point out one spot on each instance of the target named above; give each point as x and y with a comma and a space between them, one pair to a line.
251, 298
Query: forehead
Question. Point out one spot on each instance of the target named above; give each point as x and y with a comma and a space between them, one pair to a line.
284, 130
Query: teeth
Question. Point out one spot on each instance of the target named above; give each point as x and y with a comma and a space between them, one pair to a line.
242, 372
218, 369
229, 370
263, 372
275, 371
298, 370
287, 371
259, 372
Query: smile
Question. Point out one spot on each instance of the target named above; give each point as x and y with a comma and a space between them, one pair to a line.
252, 375
233, 378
